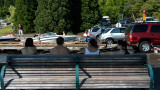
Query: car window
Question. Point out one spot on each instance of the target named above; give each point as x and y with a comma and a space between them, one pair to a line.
122, 30
116, 30
155, 28
95, 29
140, 28
106, 30
128, 30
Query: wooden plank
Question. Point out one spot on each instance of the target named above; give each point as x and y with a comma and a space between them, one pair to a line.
87, 69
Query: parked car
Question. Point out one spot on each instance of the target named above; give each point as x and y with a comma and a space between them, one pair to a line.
143, 36
105, 21
95, 31
111, 35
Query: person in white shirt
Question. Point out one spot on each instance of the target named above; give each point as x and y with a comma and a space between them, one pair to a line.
64, 33
92, 48
86, 36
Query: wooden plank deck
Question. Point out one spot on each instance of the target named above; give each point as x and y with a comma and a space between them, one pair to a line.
45, 45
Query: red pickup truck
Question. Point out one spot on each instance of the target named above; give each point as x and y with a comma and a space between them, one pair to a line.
143, 36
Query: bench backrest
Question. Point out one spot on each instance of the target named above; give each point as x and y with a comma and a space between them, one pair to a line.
40, 66
44, 61
60, 65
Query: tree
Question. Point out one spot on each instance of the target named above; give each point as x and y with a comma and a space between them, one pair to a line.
8, 3
12, 12
114, 9
43, 17
102, 6
61, 11
152, 8
4, 5
25, 14
90, 14
76, 15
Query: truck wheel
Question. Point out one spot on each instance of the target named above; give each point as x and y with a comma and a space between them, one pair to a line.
145, 46
109, 41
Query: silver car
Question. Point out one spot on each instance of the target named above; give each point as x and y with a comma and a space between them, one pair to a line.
111, 35
95, 31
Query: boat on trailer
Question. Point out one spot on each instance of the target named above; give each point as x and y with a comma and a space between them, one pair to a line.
7, 38
51, 37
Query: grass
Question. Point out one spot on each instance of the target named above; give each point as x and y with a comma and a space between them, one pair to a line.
5, 30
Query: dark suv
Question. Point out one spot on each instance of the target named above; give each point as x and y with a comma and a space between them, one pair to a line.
143, 36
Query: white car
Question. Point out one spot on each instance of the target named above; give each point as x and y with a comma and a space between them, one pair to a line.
111, 35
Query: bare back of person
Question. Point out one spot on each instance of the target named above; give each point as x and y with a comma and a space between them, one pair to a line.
60, 49
92, 49
29, 50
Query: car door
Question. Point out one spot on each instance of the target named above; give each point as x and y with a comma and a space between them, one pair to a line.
116, 35
155, 34
122, 31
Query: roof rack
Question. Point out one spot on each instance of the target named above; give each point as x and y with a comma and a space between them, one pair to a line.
148, 22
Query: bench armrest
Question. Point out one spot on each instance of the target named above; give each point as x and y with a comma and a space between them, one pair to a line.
77, 74
151, 75
2, 77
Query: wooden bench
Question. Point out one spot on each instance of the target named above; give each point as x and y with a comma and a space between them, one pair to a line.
76, 72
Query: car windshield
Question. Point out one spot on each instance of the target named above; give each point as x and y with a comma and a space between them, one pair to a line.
106, 30
95, 29
149, 19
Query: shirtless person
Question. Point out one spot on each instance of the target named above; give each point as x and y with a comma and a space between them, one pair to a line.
59, 49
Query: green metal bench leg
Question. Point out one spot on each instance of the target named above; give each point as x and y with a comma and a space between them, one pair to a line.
2, 76
151, 76
77, 74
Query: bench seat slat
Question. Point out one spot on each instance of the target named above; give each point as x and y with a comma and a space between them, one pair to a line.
88, 69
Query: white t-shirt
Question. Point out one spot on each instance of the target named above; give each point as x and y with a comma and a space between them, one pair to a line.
85, 34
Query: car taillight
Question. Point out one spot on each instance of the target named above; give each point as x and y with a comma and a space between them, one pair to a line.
130, 37
90, 34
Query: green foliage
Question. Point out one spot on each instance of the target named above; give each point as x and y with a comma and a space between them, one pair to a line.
3, 12
61, 11
72, 15
90, 14
152, 8
25, 14
114, 9
12, 12
43, 17
4, 5
5, 30
53, 15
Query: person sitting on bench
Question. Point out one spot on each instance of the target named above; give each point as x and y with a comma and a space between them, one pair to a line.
29, 47
92, 48
60, 49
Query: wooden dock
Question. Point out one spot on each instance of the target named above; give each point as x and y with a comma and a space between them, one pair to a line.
45, 45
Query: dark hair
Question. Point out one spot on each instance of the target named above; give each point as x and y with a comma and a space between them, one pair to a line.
60, 40
93, 43
29, 42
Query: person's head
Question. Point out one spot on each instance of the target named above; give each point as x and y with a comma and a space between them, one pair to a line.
60, 40
93, 43
29, 42
19, 24
85, 31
